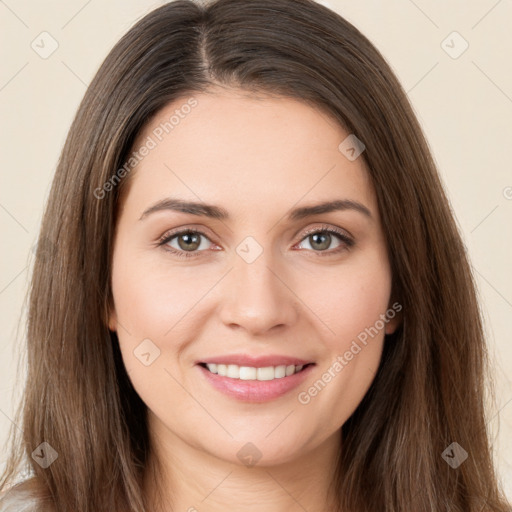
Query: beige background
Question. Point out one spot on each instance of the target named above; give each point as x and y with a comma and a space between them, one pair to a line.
463, 103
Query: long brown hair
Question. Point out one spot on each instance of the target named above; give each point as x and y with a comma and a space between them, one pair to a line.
430, 389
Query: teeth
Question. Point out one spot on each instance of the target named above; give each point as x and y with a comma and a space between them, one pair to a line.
233, 371
280, 372
249, 373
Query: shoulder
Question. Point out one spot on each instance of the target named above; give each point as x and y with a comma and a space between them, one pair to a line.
18, 500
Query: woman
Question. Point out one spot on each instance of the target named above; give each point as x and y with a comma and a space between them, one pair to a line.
257, 294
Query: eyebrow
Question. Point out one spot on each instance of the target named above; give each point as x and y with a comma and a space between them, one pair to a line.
217, 212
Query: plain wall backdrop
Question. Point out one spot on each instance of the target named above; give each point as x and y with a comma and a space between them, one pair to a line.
452, 57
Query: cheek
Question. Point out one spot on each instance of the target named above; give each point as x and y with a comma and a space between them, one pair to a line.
150, 299
148, 304
351, 299
352, 308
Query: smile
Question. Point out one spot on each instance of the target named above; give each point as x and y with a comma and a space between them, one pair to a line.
259, 383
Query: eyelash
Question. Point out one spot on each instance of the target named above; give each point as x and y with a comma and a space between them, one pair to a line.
347, 241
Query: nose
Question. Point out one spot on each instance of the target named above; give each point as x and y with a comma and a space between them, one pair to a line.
258, 297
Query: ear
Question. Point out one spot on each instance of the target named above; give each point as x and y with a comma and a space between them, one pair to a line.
394, 316
112, 319
392, 325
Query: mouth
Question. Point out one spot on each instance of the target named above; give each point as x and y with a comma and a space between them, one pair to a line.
253, 373
255, 380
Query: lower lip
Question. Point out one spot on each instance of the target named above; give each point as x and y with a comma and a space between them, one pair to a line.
256, 390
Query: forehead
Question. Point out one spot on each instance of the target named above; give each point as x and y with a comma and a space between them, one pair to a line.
249, 150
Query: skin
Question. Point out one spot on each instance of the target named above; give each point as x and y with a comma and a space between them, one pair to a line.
290, 301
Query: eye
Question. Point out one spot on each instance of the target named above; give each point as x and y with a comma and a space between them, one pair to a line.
188, 241
321, 238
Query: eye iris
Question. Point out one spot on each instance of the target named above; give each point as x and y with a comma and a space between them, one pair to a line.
326, 240
191, 238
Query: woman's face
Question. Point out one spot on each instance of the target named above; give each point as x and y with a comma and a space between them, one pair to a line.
254, 292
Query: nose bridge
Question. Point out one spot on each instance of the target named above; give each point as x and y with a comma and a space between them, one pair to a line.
256, 297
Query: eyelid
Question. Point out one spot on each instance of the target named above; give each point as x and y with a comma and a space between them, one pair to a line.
326, 227
201, 230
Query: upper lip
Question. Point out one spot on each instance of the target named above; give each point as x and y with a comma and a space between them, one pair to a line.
255, 361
